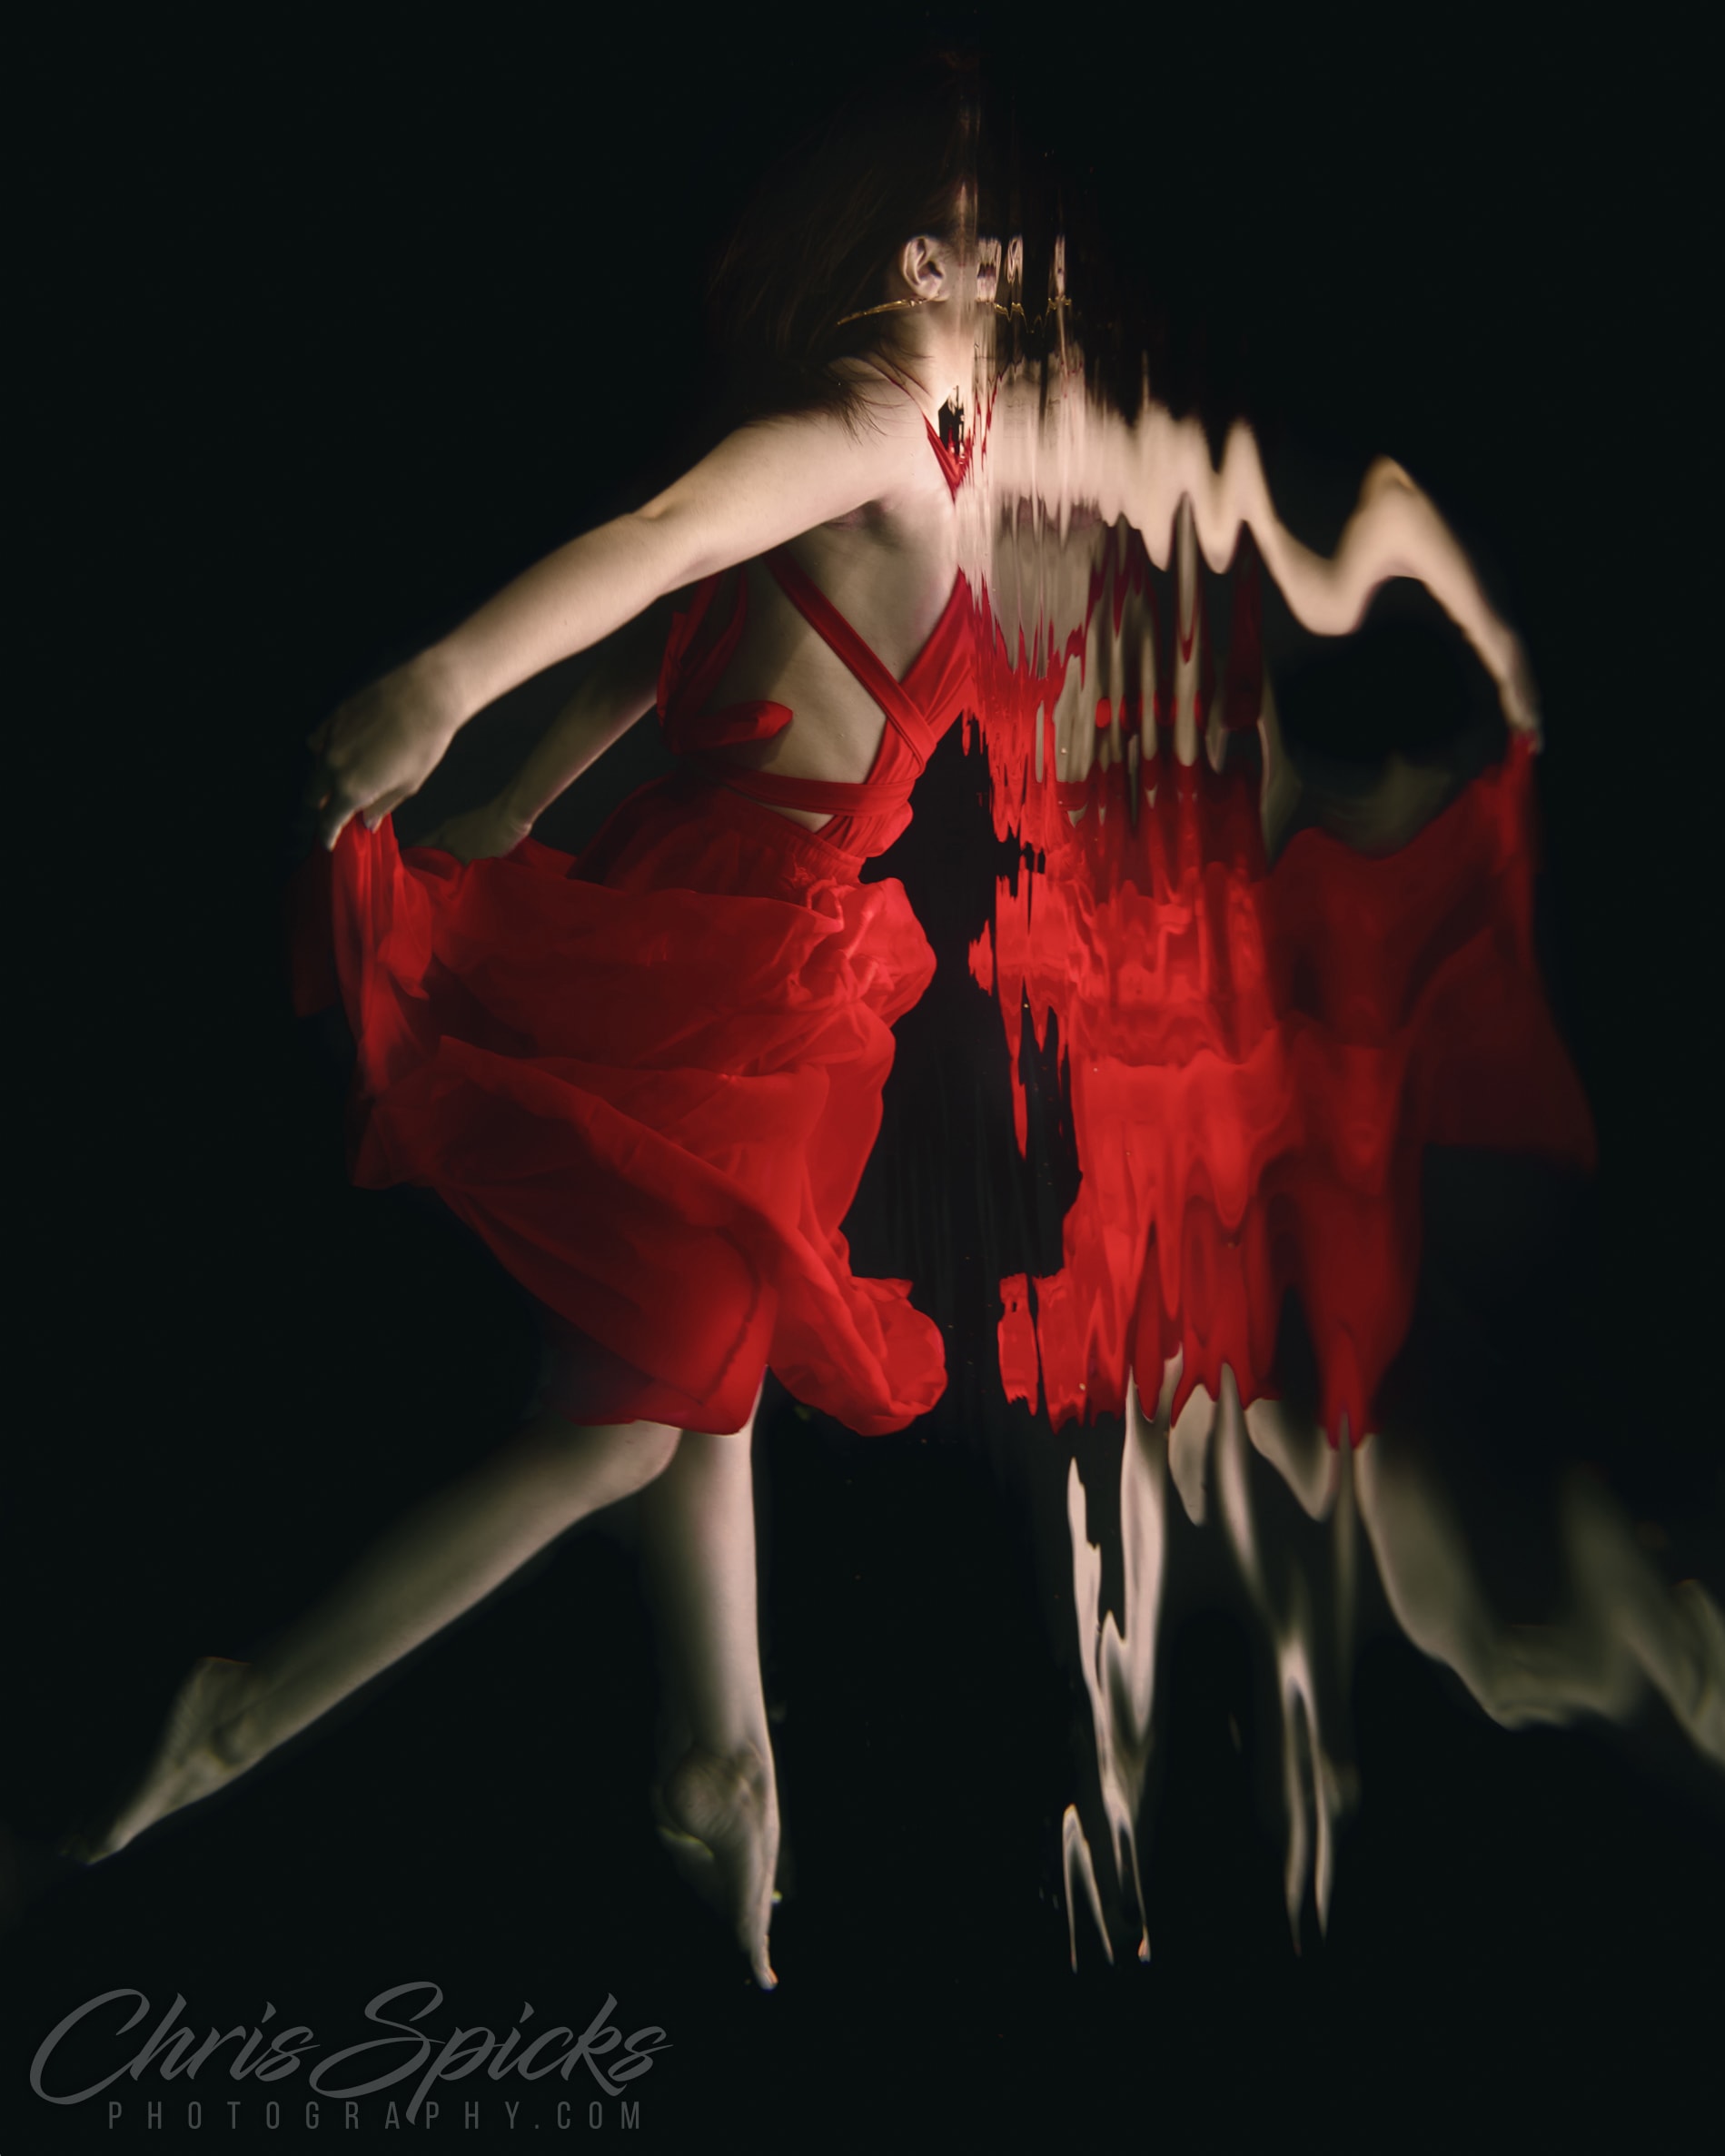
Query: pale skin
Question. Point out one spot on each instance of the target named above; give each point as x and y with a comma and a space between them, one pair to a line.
1121, 662
1619, 1633
867, 512
1150, 469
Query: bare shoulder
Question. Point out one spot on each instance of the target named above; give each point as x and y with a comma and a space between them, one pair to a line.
879, 431
776, 476
882, 397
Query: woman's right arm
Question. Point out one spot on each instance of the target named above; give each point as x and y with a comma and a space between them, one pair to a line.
763, 485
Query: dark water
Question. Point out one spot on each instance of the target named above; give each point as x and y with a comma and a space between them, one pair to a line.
334, 338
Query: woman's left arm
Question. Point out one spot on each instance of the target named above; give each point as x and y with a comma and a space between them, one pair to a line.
620, 689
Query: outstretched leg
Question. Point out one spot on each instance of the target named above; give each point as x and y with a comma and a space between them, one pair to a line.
716, 1799
447, 1555
1625, 1629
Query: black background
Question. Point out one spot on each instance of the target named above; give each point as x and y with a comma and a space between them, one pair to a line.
327, 335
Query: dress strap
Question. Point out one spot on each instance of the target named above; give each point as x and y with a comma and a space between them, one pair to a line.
836, 633
832, 796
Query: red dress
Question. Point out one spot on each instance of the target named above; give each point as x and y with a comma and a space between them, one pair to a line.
649, 1075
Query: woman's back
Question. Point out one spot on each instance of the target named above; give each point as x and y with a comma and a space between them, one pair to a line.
887, 570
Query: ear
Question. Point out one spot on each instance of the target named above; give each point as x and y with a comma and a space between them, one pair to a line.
927, 266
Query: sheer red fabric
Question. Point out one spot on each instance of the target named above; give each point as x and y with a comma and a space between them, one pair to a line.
649, 1076
1258, 1058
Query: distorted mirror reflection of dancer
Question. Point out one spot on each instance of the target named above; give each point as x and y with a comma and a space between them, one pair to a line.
1622, 1630
650, 1078
1273, 999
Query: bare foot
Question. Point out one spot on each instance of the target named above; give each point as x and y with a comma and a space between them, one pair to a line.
199, 1751
718, 1818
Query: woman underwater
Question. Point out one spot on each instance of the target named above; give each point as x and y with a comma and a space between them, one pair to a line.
649, 1077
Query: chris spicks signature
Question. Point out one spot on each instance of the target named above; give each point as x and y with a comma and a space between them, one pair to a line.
174, 2050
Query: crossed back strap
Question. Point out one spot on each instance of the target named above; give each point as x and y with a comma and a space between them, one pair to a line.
830, 626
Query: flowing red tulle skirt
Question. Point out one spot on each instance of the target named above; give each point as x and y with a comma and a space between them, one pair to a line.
648, 1077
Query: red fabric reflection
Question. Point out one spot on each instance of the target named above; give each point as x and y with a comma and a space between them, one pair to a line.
1258, 1056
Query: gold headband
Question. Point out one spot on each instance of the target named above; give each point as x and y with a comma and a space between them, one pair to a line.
885, 307
899, 306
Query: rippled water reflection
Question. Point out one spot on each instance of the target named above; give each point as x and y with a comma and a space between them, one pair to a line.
1280, 992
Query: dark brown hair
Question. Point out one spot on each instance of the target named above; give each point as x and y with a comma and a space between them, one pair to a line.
815, 243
